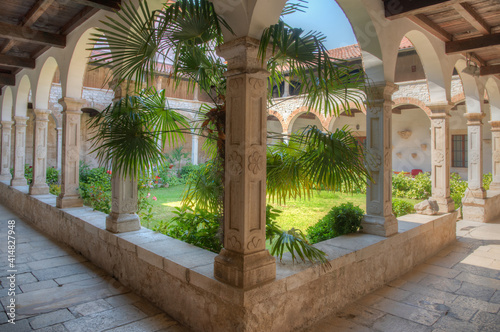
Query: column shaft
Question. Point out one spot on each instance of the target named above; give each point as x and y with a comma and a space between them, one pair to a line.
244, 262
441, 157
5, 153
39, 184
70, 167
495, 140
194, 148
19, 151
123, 217
59, 148
475, 156
379, 219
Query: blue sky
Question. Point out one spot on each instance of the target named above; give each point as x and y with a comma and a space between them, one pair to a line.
327, 17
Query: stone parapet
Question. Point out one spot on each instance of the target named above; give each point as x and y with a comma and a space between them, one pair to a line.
179, 277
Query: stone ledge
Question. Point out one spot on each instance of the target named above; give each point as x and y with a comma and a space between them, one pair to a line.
179, 277
482, 209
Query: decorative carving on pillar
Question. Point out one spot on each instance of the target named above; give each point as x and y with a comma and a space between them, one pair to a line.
379, 219
440, 152
39, 184
19, 151
475, 167
244, 262
6, 134
495, 150
123, 217
70, 158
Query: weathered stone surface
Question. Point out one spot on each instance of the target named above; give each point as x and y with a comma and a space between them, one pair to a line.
105, 320
428, 207
50, 318
390, 323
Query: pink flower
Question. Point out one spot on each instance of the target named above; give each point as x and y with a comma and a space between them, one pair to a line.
148, 195
109, 172
154, 198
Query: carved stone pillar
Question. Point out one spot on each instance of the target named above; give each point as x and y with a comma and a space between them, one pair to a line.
123, 217
441, 156
59, 148
194, 148
39, 184
70, 166
495, 139
286, 89
379, 219
244, 262
19, 151
475, 156
5, 153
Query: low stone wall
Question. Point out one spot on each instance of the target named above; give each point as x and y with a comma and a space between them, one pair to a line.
482, 209
178, 277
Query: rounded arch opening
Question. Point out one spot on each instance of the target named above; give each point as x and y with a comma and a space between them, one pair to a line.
7, 104
45, 79
23, 91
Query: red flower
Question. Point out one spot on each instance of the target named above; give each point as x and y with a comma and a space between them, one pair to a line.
31, 166
171, 166
157, 177
109, 172
156, 182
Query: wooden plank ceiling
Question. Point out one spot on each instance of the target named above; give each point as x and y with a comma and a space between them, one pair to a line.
471, 28
30, 27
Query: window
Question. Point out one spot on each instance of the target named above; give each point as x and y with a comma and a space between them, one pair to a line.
459, 151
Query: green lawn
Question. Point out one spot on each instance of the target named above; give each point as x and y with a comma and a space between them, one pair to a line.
296, 213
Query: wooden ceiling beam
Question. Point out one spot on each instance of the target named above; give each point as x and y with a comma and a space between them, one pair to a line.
471, 16
489, 70
29, 35
432, 27
472, 44
109, 5
36, 11
395, 9
7, 79
78, 19
14, 61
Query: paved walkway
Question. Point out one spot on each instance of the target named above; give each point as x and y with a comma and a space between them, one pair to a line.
59, 290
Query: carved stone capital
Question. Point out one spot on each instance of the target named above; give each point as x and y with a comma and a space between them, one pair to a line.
72, 105
42, 115
242, 56
20, 120
495, 125
6, 124
474, 119
440, 110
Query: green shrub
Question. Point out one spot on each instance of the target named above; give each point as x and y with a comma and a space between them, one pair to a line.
195, 226
487, 178
95, 187
343, 219
52, 176
405, 186
401, 207
54, 189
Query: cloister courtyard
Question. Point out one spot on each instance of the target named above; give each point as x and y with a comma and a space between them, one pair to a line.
429, 100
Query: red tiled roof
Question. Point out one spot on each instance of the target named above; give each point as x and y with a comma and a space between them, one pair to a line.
353, 51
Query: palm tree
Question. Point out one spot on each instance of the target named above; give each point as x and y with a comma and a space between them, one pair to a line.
185, 35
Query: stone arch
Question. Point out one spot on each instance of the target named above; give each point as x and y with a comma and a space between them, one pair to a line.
473, 96
7, 103
42, 92
23, 90
412, 101
330, 120
303, 110
72, 80
436, 80
493, 89
458, 98
282, 121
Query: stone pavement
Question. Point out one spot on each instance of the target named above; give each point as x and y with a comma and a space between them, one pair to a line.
59, 290
457, 290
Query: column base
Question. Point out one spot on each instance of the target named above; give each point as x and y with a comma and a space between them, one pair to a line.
446, 204
63, 202
471, 194
5, 177
40, 189
18, 182
244, 271
494, 186
377, 225
122, 222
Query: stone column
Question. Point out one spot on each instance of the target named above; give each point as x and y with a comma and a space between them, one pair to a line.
286, 89
123, 217
5, 153
475, 156
441, 156
194, 148
379, 219
39, 184
244, 262
124, 191
19, 151
495, 147
71, 117
59, 148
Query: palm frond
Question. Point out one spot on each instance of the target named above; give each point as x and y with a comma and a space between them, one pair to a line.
327, 84
293, 6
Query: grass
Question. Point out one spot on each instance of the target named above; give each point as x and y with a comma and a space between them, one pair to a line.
299, 214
